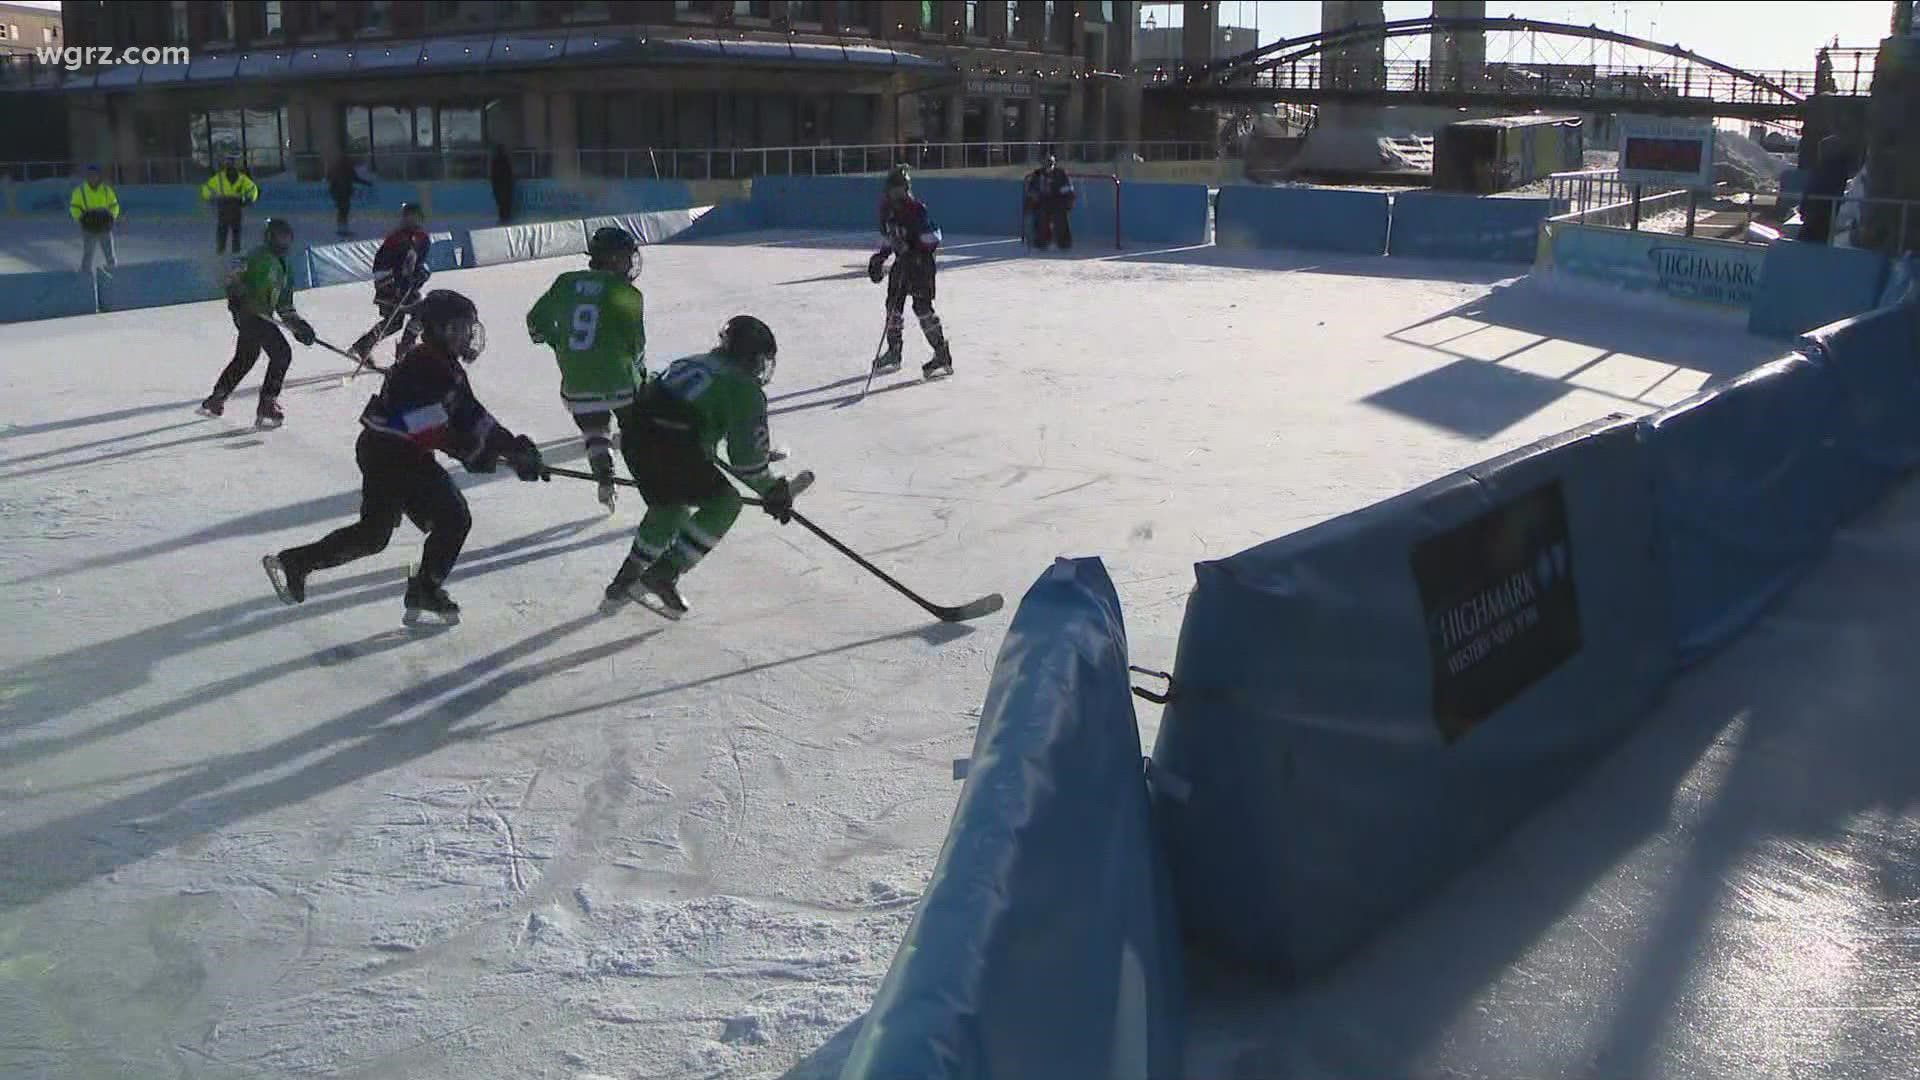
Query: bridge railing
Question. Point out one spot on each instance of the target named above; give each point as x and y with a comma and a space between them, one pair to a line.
1597, 82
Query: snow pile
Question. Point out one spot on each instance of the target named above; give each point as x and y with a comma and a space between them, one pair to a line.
1742, 162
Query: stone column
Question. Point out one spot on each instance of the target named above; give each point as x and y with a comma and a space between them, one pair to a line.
1456, 60
1893, 146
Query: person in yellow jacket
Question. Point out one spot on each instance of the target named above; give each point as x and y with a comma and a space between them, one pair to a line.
95, 208
228, 190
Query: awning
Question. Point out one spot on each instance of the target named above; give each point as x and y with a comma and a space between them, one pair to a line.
506, 51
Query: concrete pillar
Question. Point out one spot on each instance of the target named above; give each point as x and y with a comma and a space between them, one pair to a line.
996, 125
563, 140
956, 116
1199, 25
533, 122
126, 137
1456, 60
1358, 66
1893, 146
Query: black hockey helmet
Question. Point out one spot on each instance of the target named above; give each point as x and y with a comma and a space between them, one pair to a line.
279, 233
614, 250
899, 180
451, 322
748, 342
411, 214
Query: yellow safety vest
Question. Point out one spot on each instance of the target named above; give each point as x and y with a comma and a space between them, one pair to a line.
219, 187
87, 197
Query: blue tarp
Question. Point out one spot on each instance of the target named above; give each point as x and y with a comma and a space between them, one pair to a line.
1361, 708
1750, 484
1313, 219
1045, 945
1805, 286
1436, 225
46, 295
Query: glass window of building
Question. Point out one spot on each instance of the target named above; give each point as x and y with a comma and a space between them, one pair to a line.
220, 21
804, 11
271, 25
752, 9
323, 18
976, 18
1050, 23
376, 16
587, 11
929, 15
177, 24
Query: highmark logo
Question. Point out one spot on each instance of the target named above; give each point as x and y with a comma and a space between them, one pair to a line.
1709, 275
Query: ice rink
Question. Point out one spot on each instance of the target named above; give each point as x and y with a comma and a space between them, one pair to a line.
238, 839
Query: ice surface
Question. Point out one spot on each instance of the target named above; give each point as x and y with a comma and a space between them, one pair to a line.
238, 839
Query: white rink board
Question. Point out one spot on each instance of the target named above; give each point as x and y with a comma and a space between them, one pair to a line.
237, 839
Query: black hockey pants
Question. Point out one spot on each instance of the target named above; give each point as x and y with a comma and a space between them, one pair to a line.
256, 334
396, 479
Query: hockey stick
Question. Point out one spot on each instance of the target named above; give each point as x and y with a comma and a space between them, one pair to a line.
972, 609
877, 346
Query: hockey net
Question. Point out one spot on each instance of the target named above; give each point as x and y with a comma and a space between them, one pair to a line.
1095, 217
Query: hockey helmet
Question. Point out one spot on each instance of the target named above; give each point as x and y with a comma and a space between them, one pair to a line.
411, 214
749, 343
899, 181
614, 250
279, 234
451, 322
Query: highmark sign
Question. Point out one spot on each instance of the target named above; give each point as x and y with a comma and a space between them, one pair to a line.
1708, 271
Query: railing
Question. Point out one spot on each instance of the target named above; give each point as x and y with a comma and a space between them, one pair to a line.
1599, 197
1846, 72
638, 164
1638, 83
1592, 190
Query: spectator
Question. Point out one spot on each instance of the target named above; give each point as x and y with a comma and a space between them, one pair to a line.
1824, 188
95, 208
229, 190
501, 173
342, 175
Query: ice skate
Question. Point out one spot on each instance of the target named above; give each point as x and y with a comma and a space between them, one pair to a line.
661, 594
213, 406
940, 366
887, 362
290, 585
428, 604
619, 592
268, 415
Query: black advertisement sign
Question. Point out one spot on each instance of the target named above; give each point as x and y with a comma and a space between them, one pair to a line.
1500, 607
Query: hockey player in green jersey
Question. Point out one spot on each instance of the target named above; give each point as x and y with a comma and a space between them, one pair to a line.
670, 438
594, 321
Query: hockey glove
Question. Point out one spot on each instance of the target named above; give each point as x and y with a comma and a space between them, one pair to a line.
877, 267
778, 501
302, 330
525, 459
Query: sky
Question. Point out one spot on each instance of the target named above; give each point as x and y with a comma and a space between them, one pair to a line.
1778, 35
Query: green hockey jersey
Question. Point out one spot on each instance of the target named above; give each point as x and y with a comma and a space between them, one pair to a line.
262, 285
595, 324
723, 401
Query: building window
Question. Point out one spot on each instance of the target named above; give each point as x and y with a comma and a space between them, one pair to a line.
376, 16
270, 20
177, 24
752, 9
804, 11
256, 137
929, 15
323, 18
861, 15
586, 11
976, 19
1049, 23
221, 28
1099, 12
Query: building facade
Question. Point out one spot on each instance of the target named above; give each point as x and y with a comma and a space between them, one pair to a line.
24, 29
422, 88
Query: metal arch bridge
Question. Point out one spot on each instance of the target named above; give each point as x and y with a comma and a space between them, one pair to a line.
1331, 66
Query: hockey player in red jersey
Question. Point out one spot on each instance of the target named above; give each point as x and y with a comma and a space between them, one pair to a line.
912, 237
1050, 196
425, 404
399, 272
